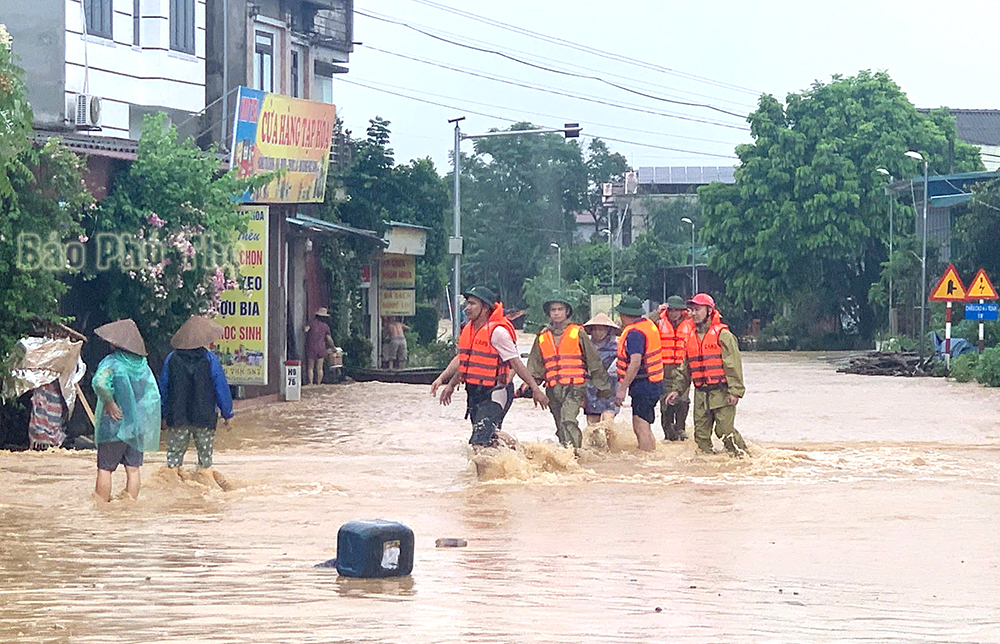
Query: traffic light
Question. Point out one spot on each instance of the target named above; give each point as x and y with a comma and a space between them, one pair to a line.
571, 130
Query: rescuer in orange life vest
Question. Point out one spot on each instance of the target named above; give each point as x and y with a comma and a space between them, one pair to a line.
712, 362
487, 353
640, 369
564, 358
675, 324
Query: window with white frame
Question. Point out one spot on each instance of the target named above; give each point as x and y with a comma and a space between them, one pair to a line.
263, 61
182, 25
97, 13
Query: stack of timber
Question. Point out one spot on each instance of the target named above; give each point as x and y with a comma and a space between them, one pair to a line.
877, 363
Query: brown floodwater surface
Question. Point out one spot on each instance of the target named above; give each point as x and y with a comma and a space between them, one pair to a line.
870, 511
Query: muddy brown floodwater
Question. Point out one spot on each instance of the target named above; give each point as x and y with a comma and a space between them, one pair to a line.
869, 512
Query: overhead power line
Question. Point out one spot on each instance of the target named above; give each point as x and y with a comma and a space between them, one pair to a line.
501, 79
587, 48
645, 82
558, 117
553, 70
510, 120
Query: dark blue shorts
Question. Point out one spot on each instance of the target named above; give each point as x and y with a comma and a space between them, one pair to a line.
644, 407
111, 455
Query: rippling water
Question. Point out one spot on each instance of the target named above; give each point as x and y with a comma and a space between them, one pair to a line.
869, 512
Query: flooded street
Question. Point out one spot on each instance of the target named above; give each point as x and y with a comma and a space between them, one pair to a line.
869, 512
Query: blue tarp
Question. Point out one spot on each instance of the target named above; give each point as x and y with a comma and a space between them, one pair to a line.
958, 345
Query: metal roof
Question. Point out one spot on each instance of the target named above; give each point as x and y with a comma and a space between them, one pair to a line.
691, 175
101, 146
331, 228
403, 224
945, 189
981, 127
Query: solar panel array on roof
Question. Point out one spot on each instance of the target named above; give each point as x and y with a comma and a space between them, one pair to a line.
690, 175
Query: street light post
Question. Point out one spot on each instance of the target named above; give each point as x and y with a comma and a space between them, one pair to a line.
559, 263
455, 243
885, 172
694, 271
923, 258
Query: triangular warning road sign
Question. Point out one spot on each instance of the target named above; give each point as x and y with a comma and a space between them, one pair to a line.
949, 288
981, 288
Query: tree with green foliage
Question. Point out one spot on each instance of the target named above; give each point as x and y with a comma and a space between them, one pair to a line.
806, 221
182, 219
42, 201
519, 194
381, 191
603, 166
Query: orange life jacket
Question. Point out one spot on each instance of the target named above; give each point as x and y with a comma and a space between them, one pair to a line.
673, 339
652, 360
478, 362
564, 364
704, 356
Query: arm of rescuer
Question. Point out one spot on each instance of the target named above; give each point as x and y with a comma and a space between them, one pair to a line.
449, 378
505, 345
732, 365
635, 356
535, 363
598, 374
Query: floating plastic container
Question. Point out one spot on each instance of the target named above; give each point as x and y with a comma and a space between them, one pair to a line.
374, 548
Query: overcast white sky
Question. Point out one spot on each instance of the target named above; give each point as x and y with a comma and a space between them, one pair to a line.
939, 53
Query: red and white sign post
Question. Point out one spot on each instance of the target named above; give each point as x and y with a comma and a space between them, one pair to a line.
949, 289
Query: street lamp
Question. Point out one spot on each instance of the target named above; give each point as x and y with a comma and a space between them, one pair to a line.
886, 173
694, 271
559, 264
455, 244
923, 257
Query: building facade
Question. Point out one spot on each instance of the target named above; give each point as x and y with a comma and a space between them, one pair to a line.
96, 67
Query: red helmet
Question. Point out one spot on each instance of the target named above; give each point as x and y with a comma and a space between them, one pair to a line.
702, 299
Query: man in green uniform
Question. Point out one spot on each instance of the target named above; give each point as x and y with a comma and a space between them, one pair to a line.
712, 362
564, 366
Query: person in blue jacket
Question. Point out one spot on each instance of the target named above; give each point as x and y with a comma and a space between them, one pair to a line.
193, 390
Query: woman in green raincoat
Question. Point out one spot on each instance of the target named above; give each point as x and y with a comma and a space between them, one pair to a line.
128, 408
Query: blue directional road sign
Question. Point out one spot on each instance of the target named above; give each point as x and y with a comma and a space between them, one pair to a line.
986, 311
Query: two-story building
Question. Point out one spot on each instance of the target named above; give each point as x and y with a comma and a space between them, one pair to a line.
94, 68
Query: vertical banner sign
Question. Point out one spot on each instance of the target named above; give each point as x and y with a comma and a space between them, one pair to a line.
243, 310
275, 133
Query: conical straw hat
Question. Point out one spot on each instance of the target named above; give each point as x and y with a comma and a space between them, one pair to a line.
197, 332
124, 334
601, 320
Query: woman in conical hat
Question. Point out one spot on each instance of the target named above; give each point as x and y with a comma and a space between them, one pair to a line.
128, 408
194, 391
603, 331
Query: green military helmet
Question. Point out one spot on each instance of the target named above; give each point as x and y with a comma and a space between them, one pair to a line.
560, 299
677, 303
482, 293
630, 305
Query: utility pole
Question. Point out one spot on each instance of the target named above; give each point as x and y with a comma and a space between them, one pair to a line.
455, 242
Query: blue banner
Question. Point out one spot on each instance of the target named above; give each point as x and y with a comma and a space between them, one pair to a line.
981, 311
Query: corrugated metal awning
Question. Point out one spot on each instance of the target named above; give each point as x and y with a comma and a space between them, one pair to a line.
330, 228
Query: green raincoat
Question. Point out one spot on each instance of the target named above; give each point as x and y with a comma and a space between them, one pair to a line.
126, 379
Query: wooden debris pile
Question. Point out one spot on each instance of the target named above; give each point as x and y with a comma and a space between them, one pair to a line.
876, 363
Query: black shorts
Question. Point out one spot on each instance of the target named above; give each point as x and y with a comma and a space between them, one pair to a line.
111, 455
487, 408
645, 407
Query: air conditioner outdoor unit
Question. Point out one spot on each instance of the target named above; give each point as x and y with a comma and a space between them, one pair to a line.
88, 111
